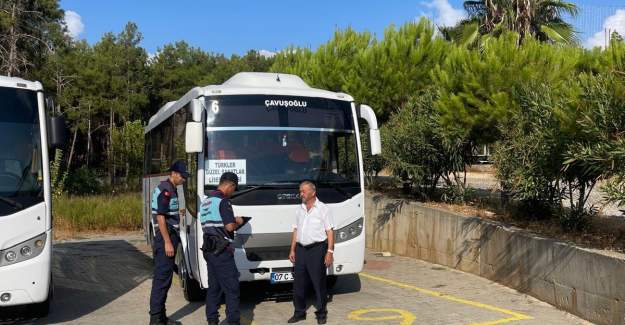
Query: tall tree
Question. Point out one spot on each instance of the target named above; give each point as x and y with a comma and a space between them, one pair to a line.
175, 69
382, 73
29, 30
540, 19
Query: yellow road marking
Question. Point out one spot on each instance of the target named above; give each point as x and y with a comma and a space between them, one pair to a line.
515, 316
407, 317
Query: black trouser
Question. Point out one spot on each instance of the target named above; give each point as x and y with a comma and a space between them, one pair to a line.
310, 269
223, 278
163, 272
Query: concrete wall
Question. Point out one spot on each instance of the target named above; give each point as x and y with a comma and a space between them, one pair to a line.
585, 283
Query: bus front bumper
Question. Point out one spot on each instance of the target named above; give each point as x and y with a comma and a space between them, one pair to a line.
27, 282
348, 259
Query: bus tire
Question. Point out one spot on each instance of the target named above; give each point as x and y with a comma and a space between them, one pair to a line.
42, 309
190, 287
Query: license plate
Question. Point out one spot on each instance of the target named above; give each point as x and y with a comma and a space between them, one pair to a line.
281, 277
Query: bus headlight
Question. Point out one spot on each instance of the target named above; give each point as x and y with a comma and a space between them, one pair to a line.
27, 250
10, 256
5, 297
350, 231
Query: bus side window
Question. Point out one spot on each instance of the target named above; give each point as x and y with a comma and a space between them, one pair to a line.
155, 150
167, 144
147, 154
180, 124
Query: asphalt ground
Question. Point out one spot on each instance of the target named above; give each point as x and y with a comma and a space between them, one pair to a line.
107, 280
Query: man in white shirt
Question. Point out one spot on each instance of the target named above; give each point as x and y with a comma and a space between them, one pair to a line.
312, 245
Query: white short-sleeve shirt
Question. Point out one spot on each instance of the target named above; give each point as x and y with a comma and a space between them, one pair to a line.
312, 225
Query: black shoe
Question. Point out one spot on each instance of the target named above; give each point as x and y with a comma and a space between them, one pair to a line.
296, 318
234, 323
322, 320
167, 321
155, 319
213, 321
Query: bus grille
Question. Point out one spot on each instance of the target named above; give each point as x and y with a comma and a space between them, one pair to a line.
257, 254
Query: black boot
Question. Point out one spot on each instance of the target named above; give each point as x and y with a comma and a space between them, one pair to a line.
296, 318
213, 321
155, 319
167, 321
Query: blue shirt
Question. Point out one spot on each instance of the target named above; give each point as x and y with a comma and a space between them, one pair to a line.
215, 212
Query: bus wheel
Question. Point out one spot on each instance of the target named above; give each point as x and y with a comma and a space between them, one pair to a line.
190, 287
42, 309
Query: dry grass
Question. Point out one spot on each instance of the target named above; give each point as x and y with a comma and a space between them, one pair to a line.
96, 214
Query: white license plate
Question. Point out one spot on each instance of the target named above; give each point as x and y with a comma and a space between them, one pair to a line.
281, 277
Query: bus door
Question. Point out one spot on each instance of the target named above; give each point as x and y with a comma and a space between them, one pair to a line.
189, 201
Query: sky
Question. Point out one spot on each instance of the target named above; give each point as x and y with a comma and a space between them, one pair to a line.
236, 26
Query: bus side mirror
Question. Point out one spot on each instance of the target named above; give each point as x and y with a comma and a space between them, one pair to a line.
196, 108
49, 101
56, 132
366, 112
194, 136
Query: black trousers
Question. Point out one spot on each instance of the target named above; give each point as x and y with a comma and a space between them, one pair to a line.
310, 271
223, 278
164, 267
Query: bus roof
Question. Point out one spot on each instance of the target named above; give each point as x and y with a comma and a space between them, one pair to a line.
14, 82
248, 83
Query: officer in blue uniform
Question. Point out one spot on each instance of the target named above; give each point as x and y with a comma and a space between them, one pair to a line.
218, 224
166, 218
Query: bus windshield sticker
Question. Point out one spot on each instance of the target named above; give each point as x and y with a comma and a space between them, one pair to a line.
216, 167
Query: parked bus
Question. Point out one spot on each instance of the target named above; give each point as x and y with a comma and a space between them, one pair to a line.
25, 196
273, 131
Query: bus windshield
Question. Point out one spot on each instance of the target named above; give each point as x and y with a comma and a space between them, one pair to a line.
280, 141
21, 175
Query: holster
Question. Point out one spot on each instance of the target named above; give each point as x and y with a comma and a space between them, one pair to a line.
214, 244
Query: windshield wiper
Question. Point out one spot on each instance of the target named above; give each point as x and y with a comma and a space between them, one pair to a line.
21, 183
11, 202
337, 188
273, 185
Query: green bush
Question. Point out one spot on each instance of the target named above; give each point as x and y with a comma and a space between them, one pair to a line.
577, 220
560, 144
98, 213
421, 152
83, 181
598, 150
528, 158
